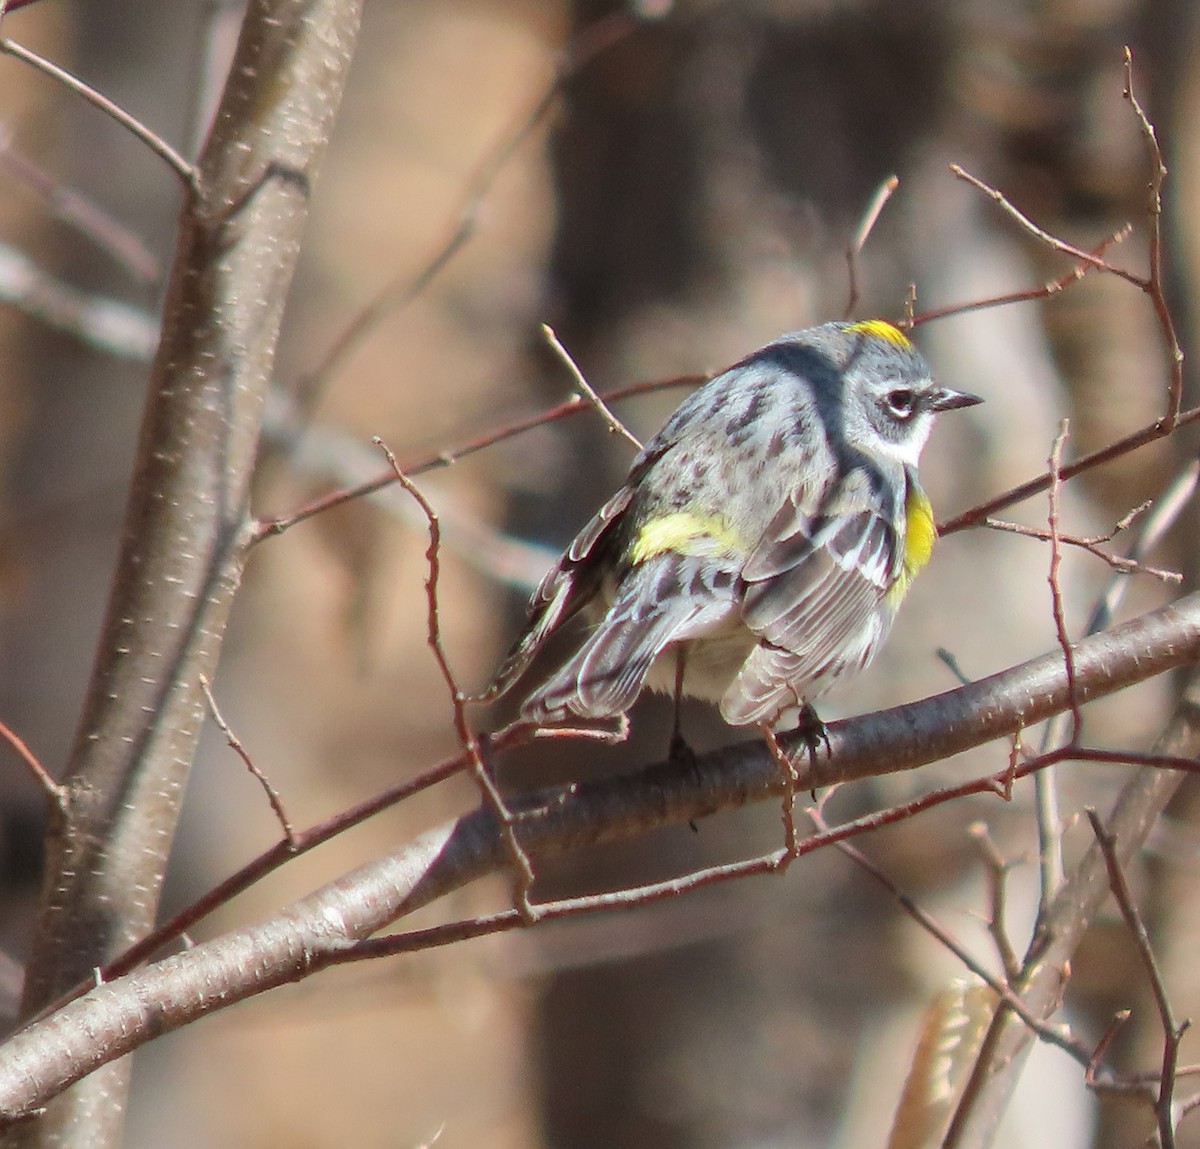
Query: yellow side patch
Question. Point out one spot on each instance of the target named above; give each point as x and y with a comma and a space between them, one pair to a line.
919, 531
681, 531
882, 329
919, 536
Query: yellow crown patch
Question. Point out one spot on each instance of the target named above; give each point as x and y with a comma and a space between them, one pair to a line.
882, 329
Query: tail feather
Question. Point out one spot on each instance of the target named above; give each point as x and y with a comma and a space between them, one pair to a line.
650, 612
568, 586
564, 596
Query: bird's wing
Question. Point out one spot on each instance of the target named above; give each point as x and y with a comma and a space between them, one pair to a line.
813, 589
671, 597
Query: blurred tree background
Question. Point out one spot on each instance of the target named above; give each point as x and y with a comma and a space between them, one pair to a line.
690, 196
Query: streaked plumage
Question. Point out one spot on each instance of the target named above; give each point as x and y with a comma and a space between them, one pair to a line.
766, 533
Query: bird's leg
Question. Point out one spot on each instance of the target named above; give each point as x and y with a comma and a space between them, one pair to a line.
813, 733
679, 750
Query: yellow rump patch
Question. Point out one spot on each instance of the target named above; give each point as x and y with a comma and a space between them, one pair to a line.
882, 329
683, 532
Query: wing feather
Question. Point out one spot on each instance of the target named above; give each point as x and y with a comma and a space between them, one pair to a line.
812, 595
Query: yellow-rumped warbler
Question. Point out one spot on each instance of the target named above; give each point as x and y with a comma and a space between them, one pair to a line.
763, 540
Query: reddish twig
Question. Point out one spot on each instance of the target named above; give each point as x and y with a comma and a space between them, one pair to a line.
1056, 599
1011, 774
1091, 1076
577, 404
1150, 284
235, 744
1092, 544
55, 794
787, 772
1029, 294
1043, 236
1038, 485
1153, 285
1163, 515
625, 899
492, 797
1058, 1035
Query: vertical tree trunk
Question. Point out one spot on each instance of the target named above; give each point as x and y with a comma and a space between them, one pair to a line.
187, 517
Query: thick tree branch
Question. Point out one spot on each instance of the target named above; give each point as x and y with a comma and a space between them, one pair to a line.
323, 928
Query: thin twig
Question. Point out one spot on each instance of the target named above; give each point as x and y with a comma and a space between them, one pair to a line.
81, 213
1091, 1076
56, 794
1189, 1105
1150, 284
878, 201
1052, 867
1015, 751
235, 744
1092, 544
1060, 621
1051, 863
186, 172
997, 871
1163, 514
1142, 437
1058, 1035
1039, 233
605, 735
614, 424
1029, 294
1173, 1031
632, 897
268, 528
1154, 287
470, 742
787, 771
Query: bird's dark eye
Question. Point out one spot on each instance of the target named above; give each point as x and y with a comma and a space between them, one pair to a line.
902, 402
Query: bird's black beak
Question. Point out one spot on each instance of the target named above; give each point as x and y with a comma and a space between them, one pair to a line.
944, 399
